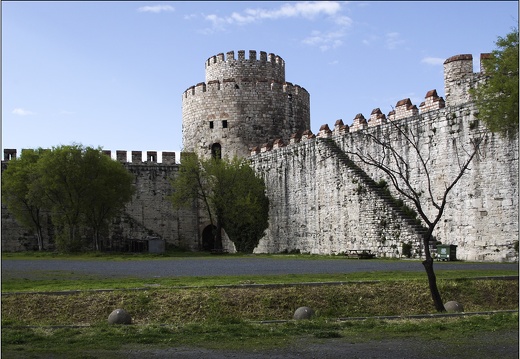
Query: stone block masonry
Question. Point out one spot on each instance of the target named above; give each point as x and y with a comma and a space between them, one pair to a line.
149, 214
242, 103
320, 206
321, 200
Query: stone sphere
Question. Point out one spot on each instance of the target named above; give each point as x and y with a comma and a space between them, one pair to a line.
303, 313
119, 316
453, 306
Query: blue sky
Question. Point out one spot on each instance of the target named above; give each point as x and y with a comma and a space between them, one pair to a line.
111, 74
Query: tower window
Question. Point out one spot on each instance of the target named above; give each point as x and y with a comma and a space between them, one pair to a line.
224, 124
210, 124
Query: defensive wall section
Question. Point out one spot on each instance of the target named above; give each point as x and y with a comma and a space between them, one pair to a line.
243, 102
149, 214
321, 204
322, 199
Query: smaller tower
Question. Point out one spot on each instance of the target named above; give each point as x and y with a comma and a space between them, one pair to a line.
459, 78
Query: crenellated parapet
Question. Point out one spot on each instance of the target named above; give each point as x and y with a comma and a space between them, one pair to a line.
359, 123
168, 158
376, 118
403, 110
269, 67
230, 87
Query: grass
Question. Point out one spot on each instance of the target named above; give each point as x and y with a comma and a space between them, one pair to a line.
230, 313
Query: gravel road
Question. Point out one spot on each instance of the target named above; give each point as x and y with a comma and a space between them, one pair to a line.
222, 265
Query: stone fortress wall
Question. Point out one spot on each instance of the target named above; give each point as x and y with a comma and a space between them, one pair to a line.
318, 204
149, 214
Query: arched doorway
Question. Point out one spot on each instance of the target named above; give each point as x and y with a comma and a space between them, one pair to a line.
208, 238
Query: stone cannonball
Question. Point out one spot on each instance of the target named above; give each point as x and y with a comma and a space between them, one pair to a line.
303, 313
453, 307
119, 316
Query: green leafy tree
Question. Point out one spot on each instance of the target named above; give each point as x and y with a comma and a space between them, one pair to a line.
246, 217
109, 187
232, 195
497, 96
21, 193
81, 188
64, 182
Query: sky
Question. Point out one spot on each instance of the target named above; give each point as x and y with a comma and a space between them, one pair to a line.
111, 74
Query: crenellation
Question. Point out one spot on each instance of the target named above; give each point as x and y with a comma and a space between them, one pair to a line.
168, 158
403, 109
359, 123
266, 147
307, 135
137, 156
278, 143
432, 102
9, 154
295, 138
151, 156
376, 118
324, 132
483, 59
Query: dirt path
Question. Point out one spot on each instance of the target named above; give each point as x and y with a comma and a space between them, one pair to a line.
500, 345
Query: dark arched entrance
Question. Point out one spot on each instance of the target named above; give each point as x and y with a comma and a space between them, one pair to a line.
208, 238
216, 151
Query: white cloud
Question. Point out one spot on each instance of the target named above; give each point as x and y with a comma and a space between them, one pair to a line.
393, 40
308, 10
22, 112
156, 8
370, 40
325, 41
433, 61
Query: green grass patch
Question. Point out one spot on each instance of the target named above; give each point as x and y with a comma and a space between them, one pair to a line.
227, 312
104, 341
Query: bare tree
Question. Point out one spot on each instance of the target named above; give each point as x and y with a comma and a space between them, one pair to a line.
389, 159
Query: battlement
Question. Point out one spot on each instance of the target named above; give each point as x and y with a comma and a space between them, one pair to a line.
273, 59
403, 109
168, 158
231, 85
269, 67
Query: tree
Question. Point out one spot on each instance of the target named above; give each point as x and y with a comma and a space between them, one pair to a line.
19, 192
429, 196
110, 187
232, 195
247, 215
497, 96
79, 187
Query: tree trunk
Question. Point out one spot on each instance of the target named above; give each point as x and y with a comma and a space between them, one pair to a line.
432, 279
39, 234
218, 235
96, 239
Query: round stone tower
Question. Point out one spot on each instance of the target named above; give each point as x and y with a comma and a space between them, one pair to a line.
242, 104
